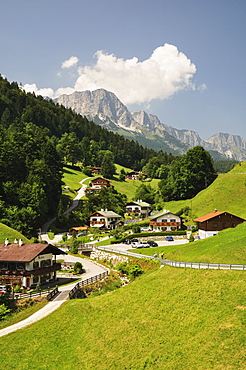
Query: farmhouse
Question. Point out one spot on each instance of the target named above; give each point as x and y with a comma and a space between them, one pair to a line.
96, 170
104, 219
78, 229
98, 184
165, 221
140, 208
212, 223
134, 175
28, 264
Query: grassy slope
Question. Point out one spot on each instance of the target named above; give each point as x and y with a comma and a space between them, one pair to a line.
168, 319
229, 246
11, 234
227, 193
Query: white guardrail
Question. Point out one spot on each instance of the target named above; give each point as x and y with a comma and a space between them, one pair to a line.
193, 265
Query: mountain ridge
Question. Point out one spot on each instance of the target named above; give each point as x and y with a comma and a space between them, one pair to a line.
104, 108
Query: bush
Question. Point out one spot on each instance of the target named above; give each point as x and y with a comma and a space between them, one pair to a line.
191, 238
17, 289
78, 268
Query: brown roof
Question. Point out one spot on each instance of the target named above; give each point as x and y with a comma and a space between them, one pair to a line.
212, 215
26, 252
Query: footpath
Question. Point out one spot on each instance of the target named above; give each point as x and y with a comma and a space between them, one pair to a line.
91, 270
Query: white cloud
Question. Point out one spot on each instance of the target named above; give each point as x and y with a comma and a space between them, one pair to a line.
33, 88
159, 77
166, 72
70, 62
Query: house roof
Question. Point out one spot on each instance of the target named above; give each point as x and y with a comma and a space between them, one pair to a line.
213, 214
13, 252
161, 213
79, 228
106, 214
139, 203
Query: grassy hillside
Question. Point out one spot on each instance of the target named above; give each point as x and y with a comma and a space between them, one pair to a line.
11, 234
168, 319
229, 246
73, 176
226, 193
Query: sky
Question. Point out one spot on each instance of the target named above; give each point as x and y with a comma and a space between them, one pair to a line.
182, 60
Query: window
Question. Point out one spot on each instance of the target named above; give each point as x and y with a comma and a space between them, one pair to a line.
164, 220
164, 228
215, 225
173, 228
3, 266
35, 279
20, 266
224, 225
172, 220
35, 265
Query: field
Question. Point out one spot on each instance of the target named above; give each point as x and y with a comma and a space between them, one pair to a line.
168, 319
229, 246
11, 234
226, 193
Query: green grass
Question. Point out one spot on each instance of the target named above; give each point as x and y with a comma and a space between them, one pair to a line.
228, 246
11, 234
168, 319
226, 193
22, 315
72, 178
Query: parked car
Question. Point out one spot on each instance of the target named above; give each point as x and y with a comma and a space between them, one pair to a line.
145, 245
145, 230
136, 245
152, 243
169, 239
127, 241
5, 289
134, 240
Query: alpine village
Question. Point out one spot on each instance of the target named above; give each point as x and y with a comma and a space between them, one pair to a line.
116, 253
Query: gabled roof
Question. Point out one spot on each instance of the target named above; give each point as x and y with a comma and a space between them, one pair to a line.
13, 252
106, 214
213, 214
139, 203
161, 213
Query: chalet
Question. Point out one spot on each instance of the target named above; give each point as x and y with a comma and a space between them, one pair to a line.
104, 219
28, 264
134, 175
212, 223
140, 208
96, 170
165, 221
98, 184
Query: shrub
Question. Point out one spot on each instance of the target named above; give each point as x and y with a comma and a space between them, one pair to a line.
3, 311
191, 238
78, 267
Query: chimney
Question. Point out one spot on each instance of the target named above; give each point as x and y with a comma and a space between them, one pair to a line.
215, 210
15, 241
20, 242
6, 242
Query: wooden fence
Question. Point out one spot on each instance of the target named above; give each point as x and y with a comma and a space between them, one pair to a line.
76, 291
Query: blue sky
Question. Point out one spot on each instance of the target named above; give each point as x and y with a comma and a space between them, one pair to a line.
183, 60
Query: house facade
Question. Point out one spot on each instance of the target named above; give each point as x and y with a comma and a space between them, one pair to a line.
138, 208
104, 219
28, 264
96, 170
165, 221
134, 175
211, 223
98, 183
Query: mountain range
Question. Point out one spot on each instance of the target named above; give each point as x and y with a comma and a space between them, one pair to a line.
104, 108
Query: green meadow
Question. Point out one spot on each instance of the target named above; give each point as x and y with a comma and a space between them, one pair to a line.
167, 319
11, 234
226, 193
228, 246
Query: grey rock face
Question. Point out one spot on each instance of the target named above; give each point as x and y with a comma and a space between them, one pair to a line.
104, 107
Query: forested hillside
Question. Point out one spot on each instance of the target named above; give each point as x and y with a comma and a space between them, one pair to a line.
37, 137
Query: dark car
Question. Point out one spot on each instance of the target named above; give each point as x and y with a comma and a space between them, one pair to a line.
134, 240
152, 243
127, 241
169, 239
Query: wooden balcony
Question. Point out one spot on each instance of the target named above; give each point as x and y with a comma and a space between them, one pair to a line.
164, 224
38, 271
99, 223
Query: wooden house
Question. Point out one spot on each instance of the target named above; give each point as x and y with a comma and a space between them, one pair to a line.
165, 221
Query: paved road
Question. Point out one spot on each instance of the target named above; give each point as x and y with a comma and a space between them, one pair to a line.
75, 202
91, 268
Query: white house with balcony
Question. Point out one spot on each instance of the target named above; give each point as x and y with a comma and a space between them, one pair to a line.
104, 219
28, 264
138, 208
165, 221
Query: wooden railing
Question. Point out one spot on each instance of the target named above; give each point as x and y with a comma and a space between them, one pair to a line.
77, 288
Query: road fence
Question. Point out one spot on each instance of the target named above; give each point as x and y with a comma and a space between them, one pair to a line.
76, 291
193, 265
